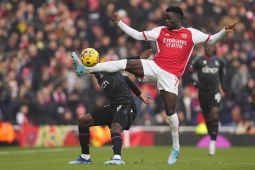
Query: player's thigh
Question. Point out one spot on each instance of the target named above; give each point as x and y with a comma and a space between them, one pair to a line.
102, 116
135, 67
167, 82
150, 71
124, 115
204, 105
210, 104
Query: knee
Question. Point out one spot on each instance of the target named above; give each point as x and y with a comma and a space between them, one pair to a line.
83, 122
212, 117
116, 128
170, 111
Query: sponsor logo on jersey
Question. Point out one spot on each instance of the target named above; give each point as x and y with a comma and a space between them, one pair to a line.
175, 43
104, 84
207, 69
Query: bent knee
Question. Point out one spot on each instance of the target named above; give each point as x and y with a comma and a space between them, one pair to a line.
116, 128
86, 121
170, 112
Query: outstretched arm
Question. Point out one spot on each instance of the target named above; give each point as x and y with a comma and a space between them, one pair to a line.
146, 99
218, 36
130, 31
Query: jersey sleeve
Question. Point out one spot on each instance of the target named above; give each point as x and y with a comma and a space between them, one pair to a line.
153, 34
194, 65
130, 31
216, 37
198, 36
149, 35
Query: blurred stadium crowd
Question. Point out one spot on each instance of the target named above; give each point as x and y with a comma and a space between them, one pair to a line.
38, 84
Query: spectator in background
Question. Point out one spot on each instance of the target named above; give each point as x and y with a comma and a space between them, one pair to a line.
240, 79
226, 111
231, 17
5, 99
244, 100
21, 117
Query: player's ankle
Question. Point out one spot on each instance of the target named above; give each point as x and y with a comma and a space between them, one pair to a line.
116, 157
85, 156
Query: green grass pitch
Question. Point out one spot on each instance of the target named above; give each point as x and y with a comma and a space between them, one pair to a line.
136, 158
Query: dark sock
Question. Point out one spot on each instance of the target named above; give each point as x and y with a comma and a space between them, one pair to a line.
84, 137
116, 143
213, 127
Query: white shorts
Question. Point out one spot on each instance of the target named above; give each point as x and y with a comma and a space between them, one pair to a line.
154, 74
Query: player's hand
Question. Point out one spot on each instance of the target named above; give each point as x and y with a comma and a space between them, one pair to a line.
146, 54
115, 18
145, 98
230, 28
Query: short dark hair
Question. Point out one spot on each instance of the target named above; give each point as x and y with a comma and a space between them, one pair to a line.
175, 9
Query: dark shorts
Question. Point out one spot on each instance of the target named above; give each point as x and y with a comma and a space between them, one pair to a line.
124, 115
209, 100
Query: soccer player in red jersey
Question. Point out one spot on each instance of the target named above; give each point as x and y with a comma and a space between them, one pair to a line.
175, 44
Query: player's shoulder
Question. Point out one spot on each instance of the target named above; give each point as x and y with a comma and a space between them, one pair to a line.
221, 60
158, 28
199, 58
194, 30
190, 29
196, 61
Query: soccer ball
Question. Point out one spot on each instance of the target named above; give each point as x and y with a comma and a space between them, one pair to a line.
89, 57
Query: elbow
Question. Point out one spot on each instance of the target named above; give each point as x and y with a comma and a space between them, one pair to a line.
211, 41
138, 37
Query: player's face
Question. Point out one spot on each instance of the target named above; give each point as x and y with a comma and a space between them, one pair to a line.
173, 20
209, 49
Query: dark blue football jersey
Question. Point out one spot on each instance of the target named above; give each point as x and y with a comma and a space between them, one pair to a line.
209, 71
115, 88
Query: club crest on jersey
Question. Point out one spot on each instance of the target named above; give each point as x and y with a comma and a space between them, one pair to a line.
167, 34
204, 61
118, 108
184, 35
101, 75
217, 63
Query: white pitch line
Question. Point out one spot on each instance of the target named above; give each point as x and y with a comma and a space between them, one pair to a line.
34, 151
237, 163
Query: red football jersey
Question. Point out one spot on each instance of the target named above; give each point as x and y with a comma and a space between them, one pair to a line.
174, 47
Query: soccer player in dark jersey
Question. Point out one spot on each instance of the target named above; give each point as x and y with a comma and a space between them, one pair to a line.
119, 115
175, 44
210, 72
